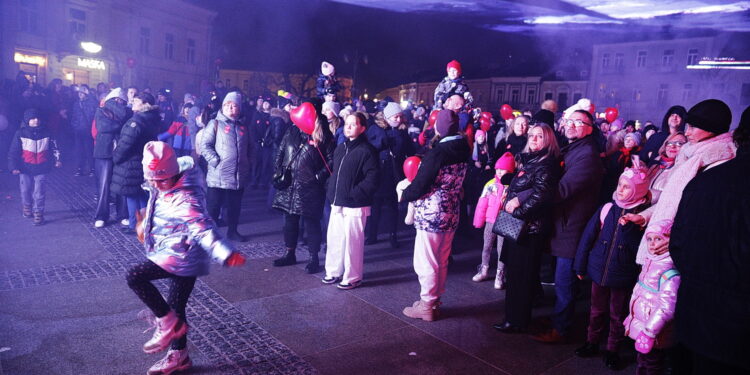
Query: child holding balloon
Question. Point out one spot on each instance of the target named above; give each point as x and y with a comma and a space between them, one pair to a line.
489, 205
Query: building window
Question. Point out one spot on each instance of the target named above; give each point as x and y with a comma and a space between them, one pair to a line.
745, 94
618, 60
77, 23
169, 46
547, 96
605, 60
191, 51
662, 94
28, 16
668, 58
145, 40
500, 95
515, 96
687, 93
692, 58
636, 95
640, 61
531, 96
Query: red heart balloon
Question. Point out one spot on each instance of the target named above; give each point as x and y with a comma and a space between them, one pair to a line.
433, 117
487, 115
411, 166
304, 117
485, 124
506, 112
611, 114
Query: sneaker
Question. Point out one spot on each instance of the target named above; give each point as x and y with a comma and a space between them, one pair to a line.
351, 285
420, 310
500, 279
175, 360
125, 222
38, 218
26, 211
168, 328
482, 273
98, 223
330, 280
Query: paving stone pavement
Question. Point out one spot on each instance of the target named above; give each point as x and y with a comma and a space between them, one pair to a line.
257, 319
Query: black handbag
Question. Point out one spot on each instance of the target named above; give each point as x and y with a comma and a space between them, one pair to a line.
283, 178
508, 226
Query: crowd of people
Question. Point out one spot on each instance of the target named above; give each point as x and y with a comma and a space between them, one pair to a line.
656, 218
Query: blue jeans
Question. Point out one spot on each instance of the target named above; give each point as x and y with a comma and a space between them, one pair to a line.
565, 285
135, 203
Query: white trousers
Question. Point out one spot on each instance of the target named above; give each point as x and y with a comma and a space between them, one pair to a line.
431, 252
345, 254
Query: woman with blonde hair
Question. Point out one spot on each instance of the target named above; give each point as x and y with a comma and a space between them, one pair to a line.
529, 197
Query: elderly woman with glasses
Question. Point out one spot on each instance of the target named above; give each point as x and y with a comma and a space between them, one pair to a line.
661, 166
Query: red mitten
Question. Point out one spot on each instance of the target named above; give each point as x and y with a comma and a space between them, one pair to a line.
235, 260
643, 343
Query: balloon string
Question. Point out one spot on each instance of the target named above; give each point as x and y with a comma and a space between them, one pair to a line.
324, 161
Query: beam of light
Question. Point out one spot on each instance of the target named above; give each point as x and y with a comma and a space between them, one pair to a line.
723, 62
731, 67
646, 10
577, 18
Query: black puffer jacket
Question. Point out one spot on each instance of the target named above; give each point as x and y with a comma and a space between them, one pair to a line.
127, 174
109, 120
306, 195
355, 174
536, 182
651, 148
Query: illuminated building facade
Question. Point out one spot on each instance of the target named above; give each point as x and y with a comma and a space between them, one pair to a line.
146, 44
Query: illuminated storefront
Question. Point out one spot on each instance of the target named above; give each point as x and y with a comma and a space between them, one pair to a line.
32, 64
78, 70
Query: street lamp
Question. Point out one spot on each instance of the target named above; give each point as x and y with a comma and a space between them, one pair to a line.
91, 47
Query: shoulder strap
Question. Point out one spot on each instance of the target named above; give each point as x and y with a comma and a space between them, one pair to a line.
603, 214
665, 276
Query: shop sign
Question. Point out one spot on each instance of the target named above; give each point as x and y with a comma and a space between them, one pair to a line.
91, 63
29, 59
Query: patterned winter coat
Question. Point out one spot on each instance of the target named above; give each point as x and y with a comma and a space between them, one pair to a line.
225, 146
653, 302
33, 151
449, 87
179, 234
436, 189
490, 203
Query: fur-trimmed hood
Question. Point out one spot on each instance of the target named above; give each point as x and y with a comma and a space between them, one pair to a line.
278, 112
148, 107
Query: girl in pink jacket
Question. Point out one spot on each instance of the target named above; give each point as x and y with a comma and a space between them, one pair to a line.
653, 302
489, 205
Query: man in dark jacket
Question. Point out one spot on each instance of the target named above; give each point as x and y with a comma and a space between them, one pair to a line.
109, 120
127, 173
350, 190
674, 121
82, 117
711, 249
576, 201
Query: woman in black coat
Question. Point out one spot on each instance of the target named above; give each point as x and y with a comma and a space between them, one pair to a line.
127, 173
530, 195
310, 158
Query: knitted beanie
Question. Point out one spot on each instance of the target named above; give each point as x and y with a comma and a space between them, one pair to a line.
159, 161
506, 162
117, 92
635, 136
711, 115
391, 109
233, 96
331, 106
446, 123
454, 64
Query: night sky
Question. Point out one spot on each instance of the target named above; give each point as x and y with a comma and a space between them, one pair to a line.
400, 42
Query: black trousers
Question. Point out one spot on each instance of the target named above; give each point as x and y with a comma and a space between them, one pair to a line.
382, 206
312, 228
84, 146
231, 199
139, 279
522, 277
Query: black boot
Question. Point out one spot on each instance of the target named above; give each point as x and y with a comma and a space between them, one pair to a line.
290, 258
394, 241
233, 235
313, 265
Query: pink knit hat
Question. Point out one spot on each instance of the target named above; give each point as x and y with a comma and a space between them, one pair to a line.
506, 162
662, 228
159, 161
480, 132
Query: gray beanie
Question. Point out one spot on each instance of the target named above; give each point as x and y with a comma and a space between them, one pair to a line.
233, 96
333, 106
635, 136
391, 109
